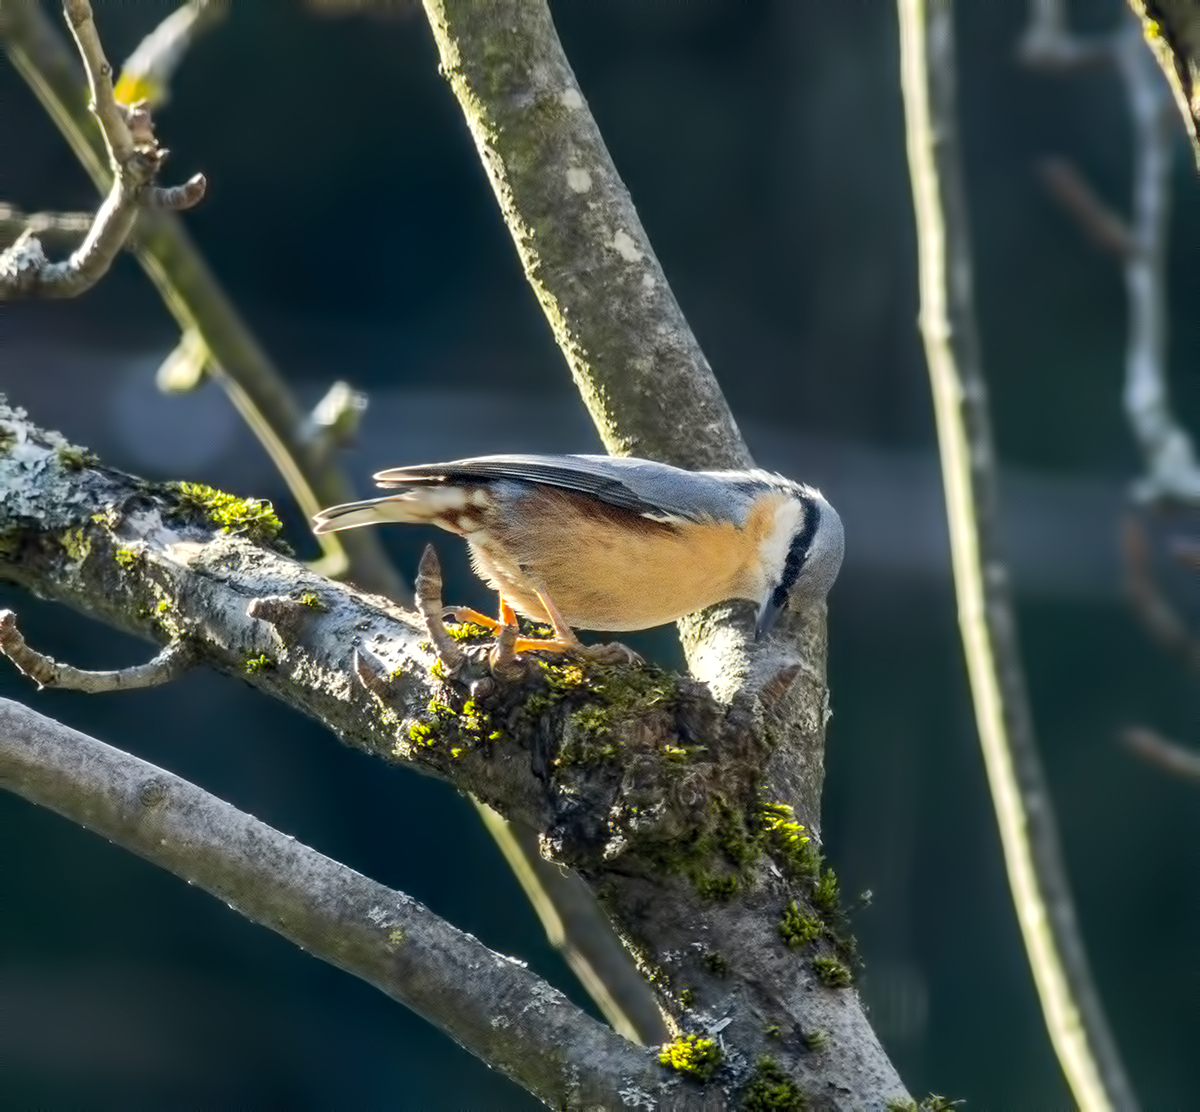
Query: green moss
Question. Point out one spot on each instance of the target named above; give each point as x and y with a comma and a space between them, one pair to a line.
255, 665
771, 1090
75, 458
76, 544
312, 600
935, 1102
686, 997
773, 1031
901, 1104
825, 891
253, 518
832, 973
715, 963
816, 1039
798, 929
788, 842
721, 889
468, 631
126, 557
695, 1055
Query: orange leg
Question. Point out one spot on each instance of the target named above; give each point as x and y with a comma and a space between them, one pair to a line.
563, 641
466, 614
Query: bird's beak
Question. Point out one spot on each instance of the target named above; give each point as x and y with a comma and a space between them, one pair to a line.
767, 616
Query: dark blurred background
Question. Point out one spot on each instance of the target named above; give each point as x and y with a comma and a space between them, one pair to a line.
763, 144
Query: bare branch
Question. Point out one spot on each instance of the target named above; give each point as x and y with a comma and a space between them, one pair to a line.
134, 159
1105, 228
1167, 448
44, 225
642, 375
490, 1004
45, 671
1166, 754
1041, 893
1171, 469
195, 298
1158, 617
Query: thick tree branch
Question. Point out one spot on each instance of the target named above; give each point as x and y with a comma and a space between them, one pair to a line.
488, 1003
1041, 893
195, 298
640, 370
652, 790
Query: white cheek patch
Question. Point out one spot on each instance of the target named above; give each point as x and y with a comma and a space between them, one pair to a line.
789, 518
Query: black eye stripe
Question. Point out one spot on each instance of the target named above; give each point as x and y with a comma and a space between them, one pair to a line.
797, 552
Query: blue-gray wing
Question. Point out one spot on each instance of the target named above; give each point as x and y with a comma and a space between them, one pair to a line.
654, 490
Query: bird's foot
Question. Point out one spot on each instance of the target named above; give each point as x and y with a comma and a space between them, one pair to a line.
468, 614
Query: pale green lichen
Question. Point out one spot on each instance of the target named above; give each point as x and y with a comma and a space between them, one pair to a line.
76, 544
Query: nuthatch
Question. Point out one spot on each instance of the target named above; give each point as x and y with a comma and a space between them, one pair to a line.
609, 543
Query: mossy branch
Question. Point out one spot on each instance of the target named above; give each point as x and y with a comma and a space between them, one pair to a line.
640, 780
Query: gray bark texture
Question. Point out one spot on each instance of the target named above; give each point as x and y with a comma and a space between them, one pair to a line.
650, 788
1172, 28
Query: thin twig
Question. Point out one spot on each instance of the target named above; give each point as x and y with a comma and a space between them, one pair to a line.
1172, 473
1158, 750
45, 671
493, 1006
134, 160
1157, 615
1102, 225
1041, 894
45, 225
195, 298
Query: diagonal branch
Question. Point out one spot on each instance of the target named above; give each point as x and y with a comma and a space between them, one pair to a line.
490, 1004
1037, 876
650, 789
